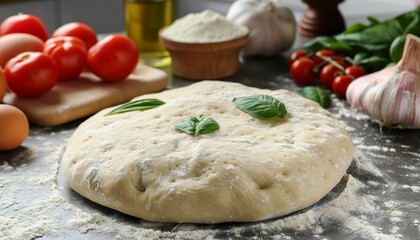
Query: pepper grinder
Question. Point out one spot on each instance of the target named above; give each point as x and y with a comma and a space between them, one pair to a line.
321, 18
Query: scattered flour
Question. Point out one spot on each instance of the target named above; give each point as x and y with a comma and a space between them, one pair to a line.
32, 204
377, 148
414, 154
364, 165
413, 188
42, 213
410, 167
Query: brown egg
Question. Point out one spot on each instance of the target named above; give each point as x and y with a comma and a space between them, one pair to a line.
3, 85
13, 44
14, 127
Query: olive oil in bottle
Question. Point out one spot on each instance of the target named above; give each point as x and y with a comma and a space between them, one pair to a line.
143, 21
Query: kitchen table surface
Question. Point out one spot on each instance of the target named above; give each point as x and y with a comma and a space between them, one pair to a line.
378, 198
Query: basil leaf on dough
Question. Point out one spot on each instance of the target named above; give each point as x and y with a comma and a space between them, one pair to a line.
316, 94
261, 106
138, 105
197, 125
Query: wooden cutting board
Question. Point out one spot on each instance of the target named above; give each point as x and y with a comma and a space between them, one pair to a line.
87, 95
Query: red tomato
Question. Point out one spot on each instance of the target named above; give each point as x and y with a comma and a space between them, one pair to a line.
341, 83
296, 55
77, 29
31, 74
355, 71
24, 23
113, 58
302, 70
69, 55
325, 53
329, 72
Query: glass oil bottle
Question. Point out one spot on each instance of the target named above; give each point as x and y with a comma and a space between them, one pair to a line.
143, 21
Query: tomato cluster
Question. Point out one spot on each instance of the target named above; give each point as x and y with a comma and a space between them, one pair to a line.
71, 49
334, 70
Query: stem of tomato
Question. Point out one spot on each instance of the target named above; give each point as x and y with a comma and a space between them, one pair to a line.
334, 63
350, 60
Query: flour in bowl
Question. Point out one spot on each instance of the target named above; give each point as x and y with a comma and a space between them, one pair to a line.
204, 27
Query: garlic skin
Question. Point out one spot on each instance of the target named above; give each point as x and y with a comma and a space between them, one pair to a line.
272, 26
391, 96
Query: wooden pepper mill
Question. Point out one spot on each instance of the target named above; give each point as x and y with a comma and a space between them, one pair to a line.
322, 17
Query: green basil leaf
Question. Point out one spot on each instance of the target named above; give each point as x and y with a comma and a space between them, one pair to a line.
374, 39
373, 21
187, 125
327, 42
358, 57
397, 48
261, 106
206, 125
375, 63
138, 105
316, 94
339, 46
414, 26
357, 27
197, 125
318, 43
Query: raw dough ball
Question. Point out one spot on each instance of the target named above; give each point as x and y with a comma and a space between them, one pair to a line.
248, 170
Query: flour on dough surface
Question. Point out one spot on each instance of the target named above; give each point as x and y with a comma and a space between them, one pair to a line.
249, 170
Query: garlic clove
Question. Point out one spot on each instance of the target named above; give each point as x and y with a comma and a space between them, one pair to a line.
272, 26
391, 96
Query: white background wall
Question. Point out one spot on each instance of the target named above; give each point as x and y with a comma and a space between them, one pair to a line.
107, 15
102, 15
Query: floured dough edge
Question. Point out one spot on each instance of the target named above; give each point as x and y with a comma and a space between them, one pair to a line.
249, 170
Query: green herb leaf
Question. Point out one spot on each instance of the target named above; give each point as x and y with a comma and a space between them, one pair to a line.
373, 21
357, 27
414, 26
197, 125
397, 48
374, 39
316, 94
358, 57
375, 62
138, 105
261, 106
327, 42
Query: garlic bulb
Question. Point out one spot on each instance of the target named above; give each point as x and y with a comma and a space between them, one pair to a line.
272, 26
391, 96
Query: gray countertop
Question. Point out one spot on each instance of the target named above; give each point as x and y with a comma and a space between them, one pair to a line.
378, 199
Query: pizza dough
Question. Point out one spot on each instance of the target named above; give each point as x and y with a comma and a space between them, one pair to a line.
248, 170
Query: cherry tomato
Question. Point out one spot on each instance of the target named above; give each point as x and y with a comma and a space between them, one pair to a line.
69, 55
341, 83
329, 72
355, 71
31, 74
24, 23
296, 55
325, 53
302, 70
113, 58
77, 29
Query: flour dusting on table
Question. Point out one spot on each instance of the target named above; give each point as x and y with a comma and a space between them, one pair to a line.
32, 204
